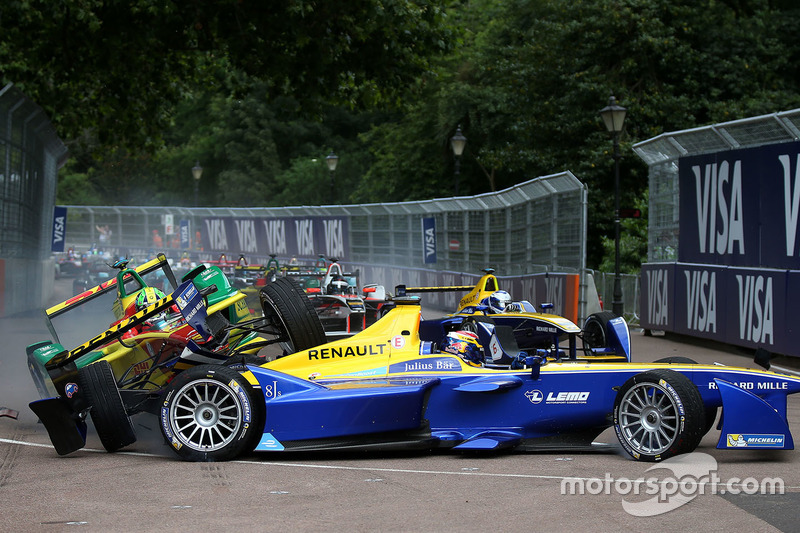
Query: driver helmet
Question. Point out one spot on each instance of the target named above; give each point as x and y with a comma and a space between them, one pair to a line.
147, 297
465, 345
498, 301
338, 286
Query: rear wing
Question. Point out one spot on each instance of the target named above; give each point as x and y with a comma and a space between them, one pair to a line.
482, 289
402, 290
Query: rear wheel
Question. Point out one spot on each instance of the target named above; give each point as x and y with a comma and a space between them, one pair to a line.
291, 316
658, 414
209, 413
107, 411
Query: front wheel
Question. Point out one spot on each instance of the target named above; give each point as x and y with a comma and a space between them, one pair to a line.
210, 414
113, 425
658, 414
595, 328
711, 412
291, 316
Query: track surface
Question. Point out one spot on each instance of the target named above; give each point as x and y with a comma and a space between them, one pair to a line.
146, 488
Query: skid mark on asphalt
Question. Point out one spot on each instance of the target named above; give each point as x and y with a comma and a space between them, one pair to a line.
215, 473
7, 461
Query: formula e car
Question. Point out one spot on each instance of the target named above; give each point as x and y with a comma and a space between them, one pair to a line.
332, 291
389, 387
604, 336
140, 338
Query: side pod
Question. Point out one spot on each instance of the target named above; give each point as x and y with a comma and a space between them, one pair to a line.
750, 422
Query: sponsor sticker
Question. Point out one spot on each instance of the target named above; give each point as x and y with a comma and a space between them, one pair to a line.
70, 390
268, 442
754, 440
535, 396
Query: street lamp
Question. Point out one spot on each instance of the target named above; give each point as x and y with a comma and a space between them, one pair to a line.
458, 142
197, 173
332, 160
614, 118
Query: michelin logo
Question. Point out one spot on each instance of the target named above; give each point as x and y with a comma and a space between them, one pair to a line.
744, 440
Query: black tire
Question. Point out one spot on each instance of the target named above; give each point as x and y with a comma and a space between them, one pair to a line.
711, 412
658, 414
107, 411
594, 330
291, 312
210, 413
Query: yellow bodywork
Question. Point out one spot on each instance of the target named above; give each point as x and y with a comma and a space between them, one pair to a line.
392, 342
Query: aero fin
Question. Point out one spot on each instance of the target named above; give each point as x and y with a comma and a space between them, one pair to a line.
491, 440
750, 422
490, 384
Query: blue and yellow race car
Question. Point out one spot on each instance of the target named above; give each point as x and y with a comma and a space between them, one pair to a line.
388, 387
604, 336
394, 386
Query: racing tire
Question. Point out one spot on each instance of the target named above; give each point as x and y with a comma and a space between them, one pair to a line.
290, 309
595, 328
711, 412
210, 413
658, 414
113, 425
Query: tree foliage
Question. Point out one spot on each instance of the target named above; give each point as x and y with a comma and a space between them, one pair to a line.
113, 70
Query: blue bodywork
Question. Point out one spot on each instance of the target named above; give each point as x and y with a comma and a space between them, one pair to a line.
561, 407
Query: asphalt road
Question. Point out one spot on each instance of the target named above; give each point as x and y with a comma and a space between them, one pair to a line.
145, 488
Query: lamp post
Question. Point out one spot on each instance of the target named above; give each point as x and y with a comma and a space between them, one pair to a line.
458, 142
332, 160
197, 173
614, 118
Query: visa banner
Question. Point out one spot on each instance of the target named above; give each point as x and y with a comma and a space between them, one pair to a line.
750, 307
741, 207
59, 228
284, 236
429, 240
186, 241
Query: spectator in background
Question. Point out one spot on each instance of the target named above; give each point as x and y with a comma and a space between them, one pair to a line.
105, 235
158, 242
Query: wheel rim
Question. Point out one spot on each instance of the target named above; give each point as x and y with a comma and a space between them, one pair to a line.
206, 415
648, 418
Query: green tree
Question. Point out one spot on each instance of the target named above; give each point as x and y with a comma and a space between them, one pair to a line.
632, 242
111, 72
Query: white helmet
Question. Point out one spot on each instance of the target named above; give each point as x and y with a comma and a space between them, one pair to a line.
498, 301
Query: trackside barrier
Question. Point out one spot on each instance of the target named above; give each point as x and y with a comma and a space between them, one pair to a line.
746, 307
